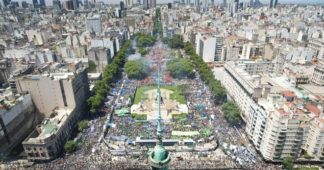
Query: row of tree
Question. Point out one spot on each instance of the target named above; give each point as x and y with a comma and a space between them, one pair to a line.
231, 112
206, 74
102, 86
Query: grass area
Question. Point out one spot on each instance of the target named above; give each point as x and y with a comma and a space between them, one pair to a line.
139, 117
306, 168
176, 95
181, 116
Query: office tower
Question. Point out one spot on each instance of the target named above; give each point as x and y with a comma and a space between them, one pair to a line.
197, 2
24, 4
152, 3
68, 5
139, 2
224, 3
122, 5
251, 3
130, 3
125, 3
275, 3
212, 2
187, 2
6, 2
75, 4
271, 4
145, 4
42, 3
205, 5
94, 24
85, 4
218, 48
57, 4
169, 5
35, 3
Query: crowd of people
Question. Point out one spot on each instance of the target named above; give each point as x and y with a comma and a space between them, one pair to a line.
204, 116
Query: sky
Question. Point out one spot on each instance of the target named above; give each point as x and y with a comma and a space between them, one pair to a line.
216, 1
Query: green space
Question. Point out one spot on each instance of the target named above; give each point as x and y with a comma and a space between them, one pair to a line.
187, 133
142, 51
70, 146
139, 117
180, 68
82, 125
232, 112
174, 42
179, 117
122, 112
137, 69
91, 66
176, 95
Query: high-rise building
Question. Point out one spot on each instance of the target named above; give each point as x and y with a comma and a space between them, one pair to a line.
139, 2
271, 4
24, 4
86, 4
68, 5
187, 2
35, 3
42, 3
6, 2
94, 24
121, 5
169, 5
75, 4
145, 4
57, 4
218, 47
205, 5
275, 3
197, 2
224, 3
152, 3
207, 48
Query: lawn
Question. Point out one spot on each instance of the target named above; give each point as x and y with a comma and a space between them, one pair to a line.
176, 95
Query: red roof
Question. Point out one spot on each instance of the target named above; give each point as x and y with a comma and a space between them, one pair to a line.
313, 109
288, 93
281, 111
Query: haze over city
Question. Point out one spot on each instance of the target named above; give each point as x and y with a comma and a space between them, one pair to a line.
151, 84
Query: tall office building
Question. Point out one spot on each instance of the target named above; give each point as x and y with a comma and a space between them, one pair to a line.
187, 2
6, 2
271, 4
35, 3
152, 3
275, 3
42, 3
139, 2
205, 5
197, 2
224, 3
75, 4
145, 4
85, 4
122, 5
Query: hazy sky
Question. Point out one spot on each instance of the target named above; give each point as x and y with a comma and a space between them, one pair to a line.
216, 1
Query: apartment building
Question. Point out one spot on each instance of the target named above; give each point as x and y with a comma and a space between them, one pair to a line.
207, 48
17, 120
60, 96
318, 76
62, 87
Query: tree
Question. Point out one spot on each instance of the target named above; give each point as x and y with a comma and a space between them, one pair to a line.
142, 51
288, 163
176, 42
137, 69
70, 146
82, 125
92, 66
232, 112
180, 68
